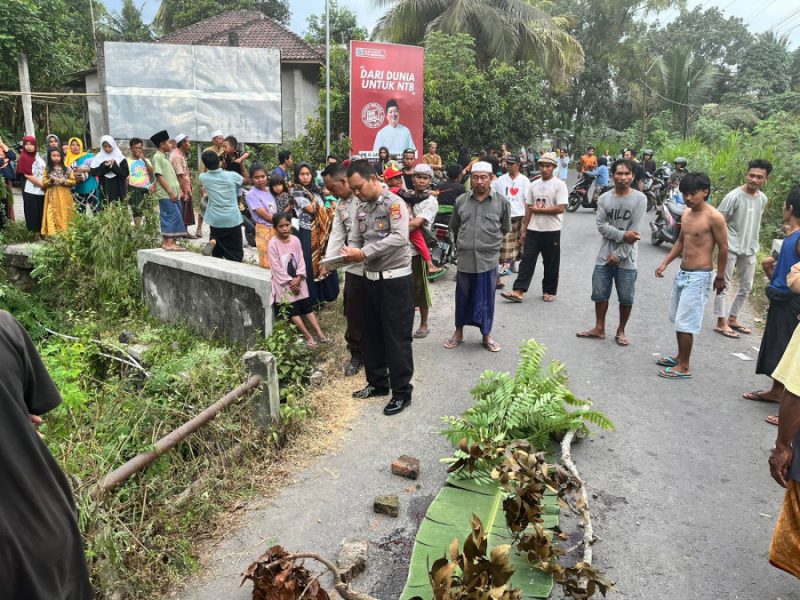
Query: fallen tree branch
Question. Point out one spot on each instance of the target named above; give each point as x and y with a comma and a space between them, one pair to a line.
130, 361
588, 533
341, 588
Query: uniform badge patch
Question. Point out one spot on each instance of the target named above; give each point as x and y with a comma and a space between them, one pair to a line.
395, 210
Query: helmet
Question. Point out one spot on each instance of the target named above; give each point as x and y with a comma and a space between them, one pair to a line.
648, 151
681, 161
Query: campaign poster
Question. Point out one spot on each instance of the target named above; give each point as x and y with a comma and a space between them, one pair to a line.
386, 98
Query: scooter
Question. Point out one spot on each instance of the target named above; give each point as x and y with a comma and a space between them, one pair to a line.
650, 187
444, 252
667, 225
579, 196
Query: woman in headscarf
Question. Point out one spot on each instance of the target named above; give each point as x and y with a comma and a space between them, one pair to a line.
111, 167
52, 141
31, 166
315, 228
85, 192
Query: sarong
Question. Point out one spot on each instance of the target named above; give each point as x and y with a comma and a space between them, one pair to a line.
511, 247
475, 293
169, 214
781, 322
324, 290
784, 552
264, 233
187, 211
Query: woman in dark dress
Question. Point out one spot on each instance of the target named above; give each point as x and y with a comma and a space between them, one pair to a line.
111, 168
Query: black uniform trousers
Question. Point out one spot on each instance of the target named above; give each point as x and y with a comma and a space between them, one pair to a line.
548, 244
354, 312
388, 323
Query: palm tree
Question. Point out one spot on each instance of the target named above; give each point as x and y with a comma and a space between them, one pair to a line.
509, 30
687, 81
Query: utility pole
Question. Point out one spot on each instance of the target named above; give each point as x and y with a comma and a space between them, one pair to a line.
686, 108
327, 78
25, 89
91, 16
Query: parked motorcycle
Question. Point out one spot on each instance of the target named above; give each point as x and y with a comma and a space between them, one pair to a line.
579, 196
444, 252
667, 225
648, 183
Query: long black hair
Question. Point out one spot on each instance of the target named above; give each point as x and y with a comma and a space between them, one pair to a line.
311, 187
50, 165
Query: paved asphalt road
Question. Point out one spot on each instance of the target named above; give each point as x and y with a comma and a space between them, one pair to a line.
684, 503
684, 508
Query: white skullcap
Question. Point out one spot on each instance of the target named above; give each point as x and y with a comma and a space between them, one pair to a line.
180, 138
481, 167
217, 133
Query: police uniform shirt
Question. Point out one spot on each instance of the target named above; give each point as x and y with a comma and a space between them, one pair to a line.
381, 232
344, 222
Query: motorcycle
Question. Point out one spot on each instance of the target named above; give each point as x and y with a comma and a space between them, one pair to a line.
444, 252
667, 225
579, 196
648, 190
660, 180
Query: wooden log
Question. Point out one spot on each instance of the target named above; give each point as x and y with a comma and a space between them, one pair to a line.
172, 439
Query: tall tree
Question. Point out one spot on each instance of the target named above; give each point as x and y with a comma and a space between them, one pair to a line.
687, 83
175, 14
508, 30
127, 25
343, 23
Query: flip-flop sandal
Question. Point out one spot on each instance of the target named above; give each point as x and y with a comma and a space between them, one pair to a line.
453, 343
667, 361
510, 296
772, 420
499, 285
741, 328
757, 397
728, 334
175, 249
621, 341
589, 335
549, 298
421, 333
491, 346
668, 373
325, 340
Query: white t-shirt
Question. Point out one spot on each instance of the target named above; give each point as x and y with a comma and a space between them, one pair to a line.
515, 190
37, 170
543, 194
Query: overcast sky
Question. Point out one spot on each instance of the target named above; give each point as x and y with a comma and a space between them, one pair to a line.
781, 15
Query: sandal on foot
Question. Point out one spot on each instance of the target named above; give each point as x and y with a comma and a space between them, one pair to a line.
727, 333
759, 396
453, 343
324, 340
512, 297
499, 285
549, 298
622, 340
668, 373
311, 344
421, 333
491, 346
590, 335
666, 361
772, 420
738, 327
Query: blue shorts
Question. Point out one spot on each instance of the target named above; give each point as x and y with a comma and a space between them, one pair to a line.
623, 279
690, 293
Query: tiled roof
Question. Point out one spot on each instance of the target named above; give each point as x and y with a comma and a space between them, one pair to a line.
254, 30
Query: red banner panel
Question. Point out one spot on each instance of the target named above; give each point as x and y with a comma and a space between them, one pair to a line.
386, 98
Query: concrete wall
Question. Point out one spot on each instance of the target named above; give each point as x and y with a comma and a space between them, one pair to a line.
95, 110
17, 265
214, 297
299, 97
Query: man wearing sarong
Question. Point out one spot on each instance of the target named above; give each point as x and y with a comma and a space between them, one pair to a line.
481, 218
168, 194
784, 463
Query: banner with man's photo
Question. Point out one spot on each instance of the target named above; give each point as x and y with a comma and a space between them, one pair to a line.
386, 98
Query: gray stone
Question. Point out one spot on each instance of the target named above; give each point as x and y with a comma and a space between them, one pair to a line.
387, 505
127, 337
352, 559
267, 399
317, 377
214, 297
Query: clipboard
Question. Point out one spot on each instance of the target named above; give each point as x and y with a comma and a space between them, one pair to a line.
335, 262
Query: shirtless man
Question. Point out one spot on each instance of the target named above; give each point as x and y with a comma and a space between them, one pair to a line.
702, 228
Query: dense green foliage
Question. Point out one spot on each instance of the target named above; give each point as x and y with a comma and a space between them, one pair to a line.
343, 26
127, 24
176, 14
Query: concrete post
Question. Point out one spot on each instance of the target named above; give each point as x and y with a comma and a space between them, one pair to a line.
25, 89
267, 399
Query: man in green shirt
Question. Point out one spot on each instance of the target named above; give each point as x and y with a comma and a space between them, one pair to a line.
167, 189
742, 209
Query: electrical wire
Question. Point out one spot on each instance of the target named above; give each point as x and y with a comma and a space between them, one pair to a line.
787, 96
784, 20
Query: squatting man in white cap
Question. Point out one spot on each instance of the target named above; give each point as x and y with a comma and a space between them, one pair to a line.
481, 217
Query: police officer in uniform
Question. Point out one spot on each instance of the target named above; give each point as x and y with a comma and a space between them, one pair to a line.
344, 220
380, 241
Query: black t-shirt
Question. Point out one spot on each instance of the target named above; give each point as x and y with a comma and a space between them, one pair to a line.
449, 191
41, 552
408, 179
638, 175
